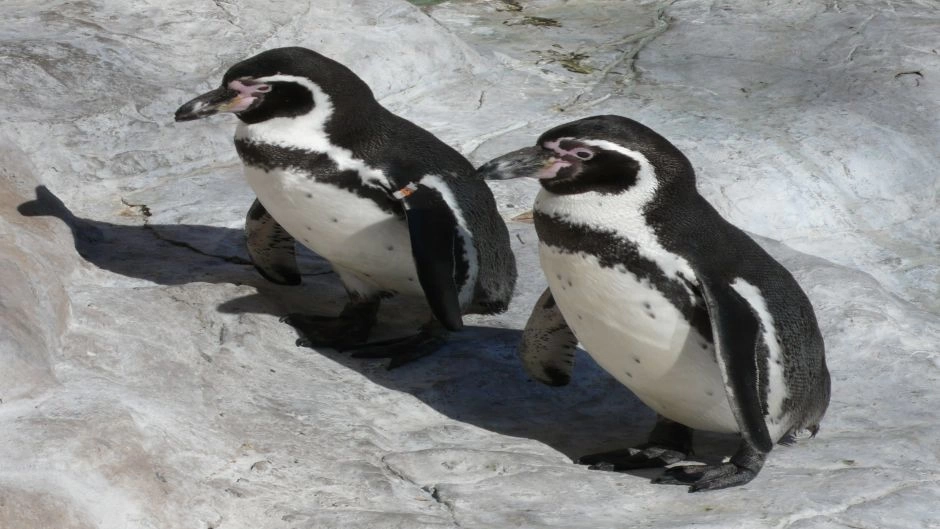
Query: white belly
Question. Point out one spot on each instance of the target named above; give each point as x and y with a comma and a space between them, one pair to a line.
369, 248
636, 335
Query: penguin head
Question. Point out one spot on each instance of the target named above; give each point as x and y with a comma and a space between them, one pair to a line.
603, 154
281, 83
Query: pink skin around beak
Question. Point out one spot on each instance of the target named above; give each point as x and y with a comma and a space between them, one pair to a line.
235, 97
551, 168
247, 94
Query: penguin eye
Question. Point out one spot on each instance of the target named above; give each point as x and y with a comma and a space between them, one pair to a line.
262, 89
584, 154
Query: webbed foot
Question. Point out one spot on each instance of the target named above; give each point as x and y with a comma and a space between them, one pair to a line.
341, 332
743, 467
669, 442
404, 350
646, 455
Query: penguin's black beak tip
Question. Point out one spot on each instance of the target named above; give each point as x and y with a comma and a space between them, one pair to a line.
494, 170
523, 162
184, 114
222, 99
193, 110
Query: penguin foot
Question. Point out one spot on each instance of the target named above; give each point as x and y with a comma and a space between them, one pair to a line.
647, 455
402, 350
706, 477
743, 467
327, 331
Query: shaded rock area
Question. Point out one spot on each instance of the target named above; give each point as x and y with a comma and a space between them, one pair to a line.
145, 381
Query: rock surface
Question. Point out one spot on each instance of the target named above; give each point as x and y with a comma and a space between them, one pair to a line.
145, 381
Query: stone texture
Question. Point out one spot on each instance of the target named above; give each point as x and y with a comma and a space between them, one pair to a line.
145, 381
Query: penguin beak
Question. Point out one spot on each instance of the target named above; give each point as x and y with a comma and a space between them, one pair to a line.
222, 99
534, 162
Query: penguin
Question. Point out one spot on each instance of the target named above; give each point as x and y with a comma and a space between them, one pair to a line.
675, 302
393, 209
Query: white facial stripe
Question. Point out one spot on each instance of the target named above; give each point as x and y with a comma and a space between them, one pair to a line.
776, 386
308, 132
622, 212
611, 146
470, 253
556, 146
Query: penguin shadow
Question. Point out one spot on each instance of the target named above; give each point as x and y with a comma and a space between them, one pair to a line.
476, 378
167, 254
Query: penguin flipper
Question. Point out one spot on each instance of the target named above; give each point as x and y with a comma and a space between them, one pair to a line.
548, 344
270, 247
433, 230
736, 330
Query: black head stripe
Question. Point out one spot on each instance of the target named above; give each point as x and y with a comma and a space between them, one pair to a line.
608, 172
285, 100
670, 164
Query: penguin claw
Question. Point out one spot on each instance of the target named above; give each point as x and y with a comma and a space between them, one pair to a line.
706, 477
401, 351
644, 456
325, 331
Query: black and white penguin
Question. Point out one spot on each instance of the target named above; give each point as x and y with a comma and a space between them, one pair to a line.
390, 206
676, 303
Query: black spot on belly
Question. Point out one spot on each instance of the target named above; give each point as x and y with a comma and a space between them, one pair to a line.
411, 279
334, 219
635, 359
629, 374
651, 315
619, 253
646, 305
309, 195
569, 283
390, 248
579, 317
710, 393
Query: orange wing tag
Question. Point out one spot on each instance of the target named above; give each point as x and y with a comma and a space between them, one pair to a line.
406, 191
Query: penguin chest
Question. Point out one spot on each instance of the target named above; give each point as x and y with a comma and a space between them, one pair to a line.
368, 246
637, 334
